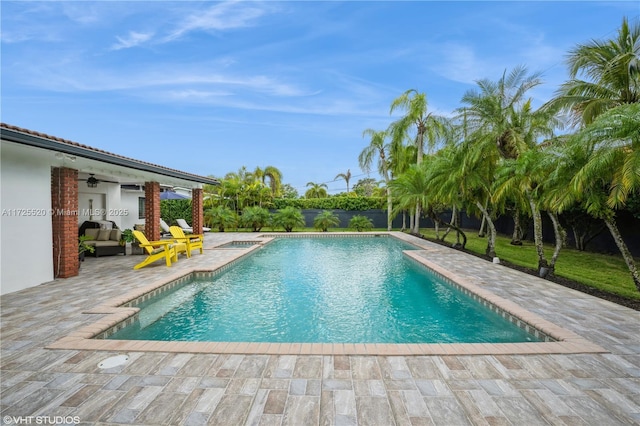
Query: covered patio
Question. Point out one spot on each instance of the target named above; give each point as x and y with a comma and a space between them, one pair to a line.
230, 387
50, 186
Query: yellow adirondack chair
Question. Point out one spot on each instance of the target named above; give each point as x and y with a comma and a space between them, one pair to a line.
156, 250
192, 241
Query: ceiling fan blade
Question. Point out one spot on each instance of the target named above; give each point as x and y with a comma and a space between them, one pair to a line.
92, 179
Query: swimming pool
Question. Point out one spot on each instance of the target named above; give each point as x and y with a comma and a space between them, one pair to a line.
321, 290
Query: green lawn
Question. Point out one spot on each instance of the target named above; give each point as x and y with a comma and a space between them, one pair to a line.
605, 272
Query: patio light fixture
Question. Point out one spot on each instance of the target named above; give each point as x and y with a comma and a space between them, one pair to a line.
92, 182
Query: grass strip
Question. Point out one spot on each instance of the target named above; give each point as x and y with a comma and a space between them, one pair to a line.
602, 271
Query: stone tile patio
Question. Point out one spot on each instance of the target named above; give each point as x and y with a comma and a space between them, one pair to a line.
155, 388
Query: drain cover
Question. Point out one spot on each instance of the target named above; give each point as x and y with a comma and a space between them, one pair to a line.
114, 361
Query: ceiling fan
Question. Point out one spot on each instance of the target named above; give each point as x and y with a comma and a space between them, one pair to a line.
93, 182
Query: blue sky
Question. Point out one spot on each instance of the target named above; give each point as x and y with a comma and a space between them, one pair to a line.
208, 87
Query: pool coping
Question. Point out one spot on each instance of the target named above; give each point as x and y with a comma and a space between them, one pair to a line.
116, 312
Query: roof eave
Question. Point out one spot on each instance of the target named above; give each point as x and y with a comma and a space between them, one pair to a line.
66, 148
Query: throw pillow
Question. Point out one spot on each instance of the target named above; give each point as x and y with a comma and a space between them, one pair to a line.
104, 235
115, 235
92, 233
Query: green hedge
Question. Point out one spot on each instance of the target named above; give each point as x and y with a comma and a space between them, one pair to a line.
333, 203
170, 210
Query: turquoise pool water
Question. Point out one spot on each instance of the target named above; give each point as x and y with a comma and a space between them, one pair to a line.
322, 290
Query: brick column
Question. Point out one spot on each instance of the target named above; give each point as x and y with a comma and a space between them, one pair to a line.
64, 221
152, 211
197, 216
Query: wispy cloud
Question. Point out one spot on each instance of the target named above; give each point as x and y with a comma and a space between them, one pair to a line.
131, 40
459, 62
222, 16
85, 13
188, 80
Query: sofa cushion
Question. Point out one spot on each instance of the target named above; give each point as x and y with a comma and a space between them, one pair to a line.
115, 235
108, 243
92, 233
104, 235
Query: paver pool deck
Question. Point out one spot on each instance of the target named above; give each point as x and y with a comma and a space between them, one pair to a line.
597, 382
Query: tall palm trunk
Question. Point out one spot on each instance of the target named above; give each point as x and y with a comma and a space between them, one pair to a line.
387, 180
516, 237
416, 229
452, 222
626, 254
560, 236
491, 243
389, 209
543, 265
483, 223
420, 148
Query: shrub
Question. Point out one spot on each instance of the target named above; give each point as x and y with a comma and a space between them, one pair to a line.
325, 220
288, 218
170, 210
255, 218
334, 203
221, 217
360, 223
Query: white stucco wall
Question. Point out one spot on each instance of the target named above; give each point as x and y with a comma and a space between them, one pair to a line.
100, 203
91, 205
25, 224
129, 203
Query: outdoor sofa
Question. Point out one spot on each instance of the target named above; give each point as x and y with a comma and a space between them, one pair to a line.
104, 236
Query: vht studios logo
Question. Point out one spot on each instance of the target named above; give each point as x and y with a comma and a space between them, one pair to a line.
41, 420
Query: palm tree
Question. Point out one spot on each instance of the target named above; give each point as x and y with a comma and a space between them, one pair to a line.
465, 175
345, 176
255, 218
289, 218
360, 223
612, 72
275, 178
411, 190
495, 113
230, 190
325, 220
401, 157
221, 217
500, 117
316, 190
524, 181
378, 148
447, 191
607, 157
429, 128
